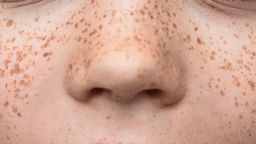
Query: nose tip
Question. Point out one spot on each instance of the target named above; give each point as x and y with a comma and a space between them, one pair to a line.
123, 80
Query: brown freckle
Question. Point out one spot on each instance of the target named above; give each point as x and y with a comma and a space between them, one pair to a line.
20, 56
236, 81
212, 56
142, 12
188, 37
93, 32
150, 15
191, 48
6, 62
108, 117
227, 66
19, 114
174, 14
199, 41
222, 93
240, 116
252, 85
16, 69
2, 73
174, 25
14, 109
76, 25
137, 20
156, 31
82, 20
100, 27
254, 111
236, 104
6, 104
9, 23
137, 38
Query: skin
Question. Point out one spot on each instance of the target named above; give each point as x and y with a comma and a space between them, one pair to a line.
127, 72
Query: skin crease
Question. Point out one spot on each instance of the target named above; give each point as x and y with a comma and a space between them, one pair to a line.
200, 58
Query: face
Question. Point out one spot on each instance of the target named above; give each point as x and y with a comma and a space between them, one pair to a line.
130, 71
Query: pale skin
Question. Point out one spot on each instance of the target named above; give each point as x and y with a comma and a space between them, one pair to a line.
128, 72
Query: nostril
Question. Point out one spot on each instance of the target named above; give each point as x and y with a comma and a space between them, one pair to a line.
98, 91
152, 92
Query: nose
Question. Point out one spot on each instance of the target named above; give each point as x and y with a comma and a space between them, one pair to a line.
125, 76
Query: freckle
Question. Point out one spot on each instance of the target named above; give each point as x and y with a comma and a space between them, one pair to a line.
92, 1
108, 117
236, 81
19, 114
196, 28
240, 116
137, 20
16, 69
252, 85
9, 23
14, 109
156, 31
142, 12
174, 14
200, 41
2, 73
100, 27
222, 93
236, 104
85, 30
46, 54
6, 104
20, 56
212, 56
76, 25
82, 20
150, 15
246, 104
7, 62
137, 38
174, 25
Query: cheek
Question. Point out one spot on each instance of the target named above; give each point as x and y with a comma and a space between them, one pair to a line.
24, 58
221, 67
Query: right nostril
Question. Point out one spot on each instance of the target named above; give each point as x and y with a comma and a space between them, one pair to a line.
98, 91
152, 92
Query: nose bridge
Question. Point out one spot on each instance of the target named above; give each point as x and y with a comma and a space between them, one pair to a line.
124, 21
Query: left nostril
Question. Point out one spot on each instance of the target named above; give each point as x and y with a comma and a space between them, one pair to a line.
97, 91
